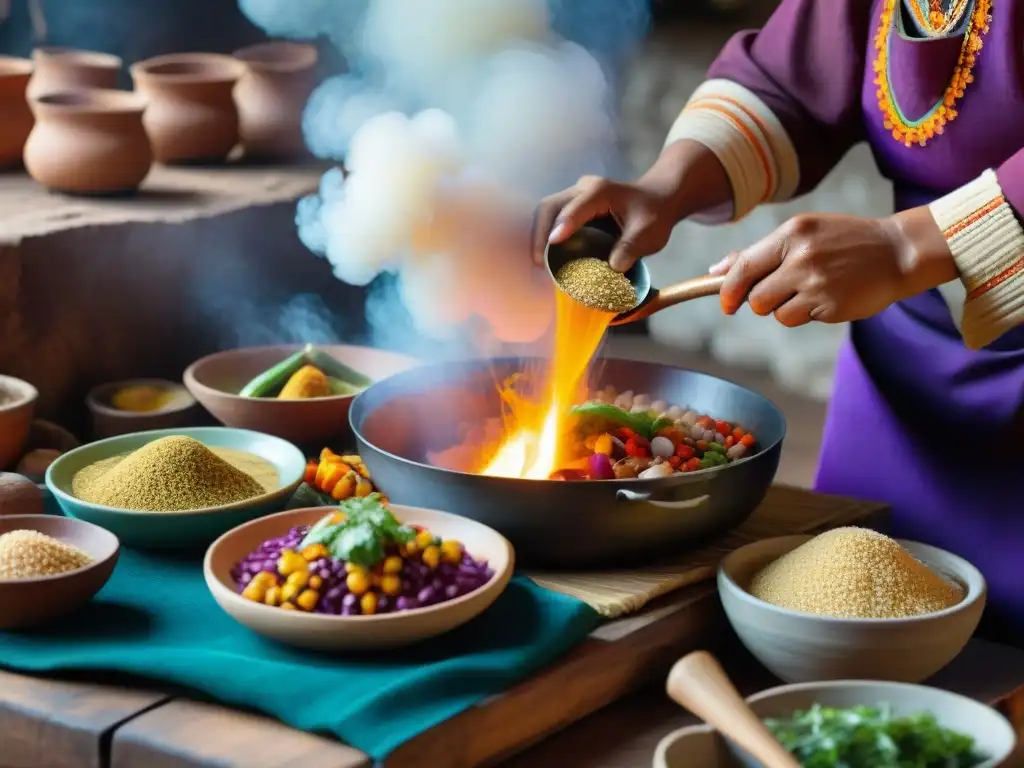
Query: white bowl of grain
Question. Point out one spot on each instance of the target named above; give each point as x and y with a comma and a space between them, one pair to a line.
814, 627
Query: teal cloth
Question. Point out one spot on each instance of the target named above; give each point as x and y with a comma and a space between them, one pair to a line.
155, 619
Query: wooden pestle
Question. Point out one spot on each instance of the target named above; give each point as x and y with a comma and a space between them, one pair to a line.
698, 682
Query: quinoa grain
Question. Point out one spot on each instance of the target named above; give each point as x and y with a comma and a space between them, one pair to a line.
30, 554
594, 283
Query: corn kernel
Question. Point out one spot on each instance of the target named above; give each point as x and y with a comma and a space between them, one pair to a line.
254, 592
390, 584
411, 549
393, 564
308, 599
424, 539
290, 562
273, 596
363, 487
289, 591
431, 556
315, 582
287, 606
298, 579
314, 552
357, 583
353, 568
368, 603
265, 579
451, 551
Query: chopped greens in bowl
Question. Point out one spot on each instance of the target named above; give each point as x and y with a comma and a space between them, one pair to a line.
873, 737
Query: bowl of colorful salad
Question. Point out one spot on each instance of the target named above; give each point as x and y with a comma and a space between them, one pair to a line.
363, 574
300, 393
858, 724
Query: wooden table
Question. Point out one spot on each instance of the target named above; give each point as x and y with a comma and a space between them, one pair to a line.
73, 724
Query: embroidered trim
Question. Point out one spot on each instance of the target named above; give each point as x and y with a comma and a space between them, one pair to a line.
919, 132
938, 23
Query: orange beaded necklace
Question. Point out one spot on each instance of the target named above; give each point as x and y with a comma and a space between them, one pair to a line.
919, 132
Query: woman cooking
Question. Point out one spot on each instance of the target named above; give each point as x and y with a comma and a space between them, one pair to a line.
928, 408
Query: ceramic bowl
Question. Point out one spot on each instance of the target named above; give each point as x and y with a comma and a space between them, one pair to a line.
335, 633
176, 530
215, 381
26, 603
702, 747
802, 647
182, 410
17, 405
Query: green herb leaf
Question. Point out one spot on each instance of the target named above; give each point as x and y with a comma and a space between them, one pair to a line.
308, 496
324, 532
358, 543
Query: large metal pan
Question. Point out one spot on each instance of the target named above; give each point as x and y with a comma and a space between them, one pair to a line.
559, 524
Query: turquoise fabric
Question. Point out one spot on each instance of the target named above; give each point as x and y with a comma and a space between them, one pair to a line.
155, 619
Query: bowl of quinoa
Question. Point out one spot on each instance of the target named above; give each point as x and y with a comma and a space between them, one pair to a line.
315, 578
851, 603
50, 566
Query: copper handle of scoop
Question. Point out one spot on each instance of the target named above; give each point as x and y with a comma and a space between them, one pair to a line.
657, 300
699, 683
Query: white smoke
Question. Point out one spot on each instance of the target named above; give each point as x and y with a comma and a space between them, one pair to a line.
454, 118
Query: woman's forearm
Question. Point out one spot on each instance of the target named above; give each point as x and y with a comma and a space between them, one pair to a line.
690, 178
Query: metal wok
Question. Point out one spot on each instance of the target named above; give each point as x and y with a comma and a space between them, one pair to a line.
560, 524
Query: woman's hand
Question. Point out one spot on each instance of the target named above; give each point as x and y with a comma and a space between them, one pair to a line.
835, 269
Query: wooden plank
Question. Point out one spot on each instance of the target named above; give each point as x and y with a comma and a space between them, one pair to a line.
60, 724
189, 734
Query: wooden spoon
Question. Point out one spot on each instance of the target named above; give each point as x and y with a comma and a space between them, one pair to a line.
698, 682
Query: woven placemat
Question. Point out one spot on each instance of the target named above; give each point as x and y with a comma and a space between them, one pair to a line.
785, 511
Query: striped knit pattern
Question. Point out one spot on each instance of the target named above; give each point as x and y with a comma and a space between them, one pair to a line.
746, 137
987, 243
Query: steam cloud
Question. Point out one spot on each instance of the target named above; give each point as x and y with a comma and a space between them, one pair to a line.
454, 118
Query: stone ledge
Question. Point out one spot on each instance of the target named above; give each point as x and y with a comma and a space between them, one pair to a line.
169, 195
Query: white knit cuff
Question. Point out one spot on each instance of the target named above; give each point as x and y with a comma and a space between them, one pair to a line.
747, 138
987, 243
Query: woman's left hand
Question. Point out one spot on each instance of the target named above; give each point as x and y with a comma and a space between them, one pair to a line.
834, 268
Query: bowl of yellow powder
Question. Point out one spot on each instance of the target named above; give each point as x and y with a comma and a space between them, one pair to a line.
49, 567
851, 604
176, 489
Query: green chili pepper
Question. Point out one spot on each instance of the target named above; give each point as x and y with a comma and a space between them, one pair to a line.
273, 379
336, 369
643, 423
339, 387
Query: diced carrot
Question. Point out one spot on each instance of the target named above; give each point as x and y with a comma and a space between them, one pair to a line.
748, 440
706, 422
684, 451
730, 441
738, 432
674, 461
692, 465
310, 475
702, 445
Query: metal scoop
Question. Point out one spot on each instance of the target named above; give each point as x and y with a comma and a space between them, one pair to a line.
596, 240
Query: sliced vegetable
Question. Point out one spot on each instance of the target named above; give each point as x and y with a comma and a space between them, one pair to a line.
306, 383
601, 467
274, 378
643, 423
339, 387
336, 369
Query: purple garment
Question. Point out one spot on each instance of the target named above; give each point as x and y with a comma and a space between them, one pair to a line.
916, 419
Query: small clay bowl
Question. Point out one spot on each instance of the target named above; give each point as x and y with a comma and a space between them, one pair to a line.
181, 410
700, 746
88, 142
17, 406
15, 116
26, 603
192, 116
802, 647
216, 379
176, 530
325, 632
64, 69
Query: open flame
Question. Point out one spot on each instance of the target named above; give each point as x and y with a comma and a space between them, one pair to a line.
540, 433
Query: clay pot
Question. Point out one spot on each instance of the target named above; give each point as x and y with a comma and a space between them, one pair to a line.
191, 115
88, 142
271, 95
69, 69
15, 116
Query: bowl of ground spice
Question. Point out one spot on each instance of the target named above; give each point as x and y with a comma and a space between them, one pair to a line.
851, 604
49, 567
176, 489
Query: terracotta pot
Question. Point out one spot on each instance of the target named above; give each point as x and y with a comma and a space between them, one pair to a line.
191, 115
271, 95
88, 142
69, 69
15, 116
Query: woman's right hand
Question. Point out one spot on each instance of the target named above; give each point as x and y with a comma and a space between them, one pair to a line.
645, 215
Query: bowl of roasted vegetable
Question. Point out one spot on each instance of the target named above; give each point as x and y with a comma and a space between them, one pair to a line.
301, 393
858, 724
